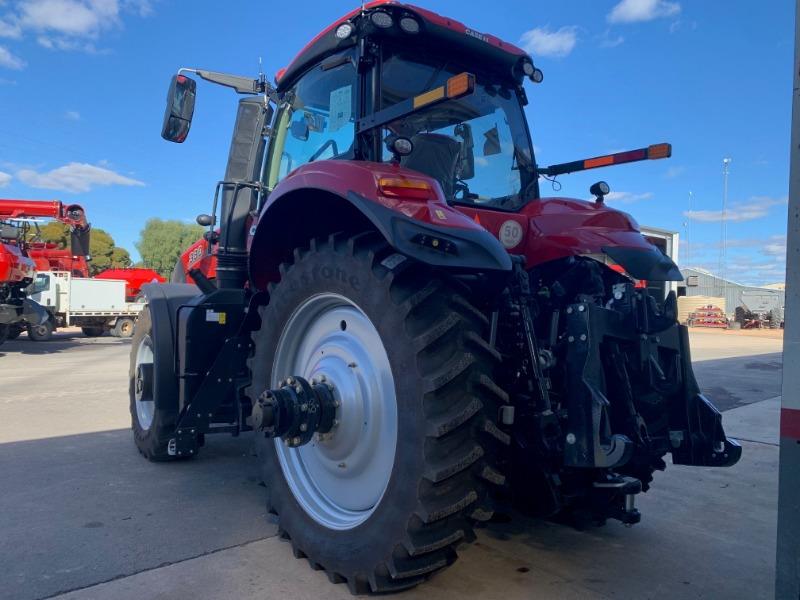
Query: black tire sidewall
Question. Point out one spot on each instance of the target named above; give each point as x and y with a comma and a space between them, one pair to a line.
152, 442
48, 325
372, 541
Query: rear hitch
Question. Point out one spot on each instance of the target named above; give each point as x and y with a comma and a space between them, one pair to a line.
296, 410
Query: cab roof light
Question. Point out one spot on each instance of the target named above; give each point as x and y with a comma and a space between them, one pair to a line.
456, 87
460, 85
406, 188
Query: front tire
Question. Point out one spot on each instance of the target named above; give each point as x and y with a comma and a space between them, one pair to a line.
153, 413
436, 404
43, 332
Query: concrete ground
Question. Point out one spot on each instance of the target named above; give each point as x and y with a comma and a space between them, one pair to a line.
82, 515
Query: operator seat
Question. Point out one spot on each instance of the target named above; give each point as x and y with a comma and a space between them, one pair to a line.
435, 155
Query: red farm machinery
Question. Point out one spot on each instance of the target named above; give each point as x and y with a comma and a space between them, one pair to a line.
22, 254
415, 336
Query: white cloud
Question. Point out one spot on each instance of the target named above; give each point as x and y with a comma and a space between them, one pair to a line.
10, 61
541, 41
755, 208
627, 197
72, 115
632, 11
69, 17
68, 24
5, 179
75, 177
10, 29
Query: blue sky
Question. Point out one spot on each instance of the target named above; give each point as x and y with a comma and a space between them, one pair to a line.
82, 87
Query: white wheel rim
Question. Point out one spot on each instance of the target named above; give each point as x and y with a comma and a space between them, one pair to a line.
340, 478
145, 405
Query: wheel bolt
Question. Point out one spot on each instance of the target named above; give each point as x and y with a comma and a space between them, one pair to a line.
303, 427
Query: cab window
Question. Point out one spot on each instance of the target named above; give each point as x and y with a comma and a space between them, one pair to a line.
318, 120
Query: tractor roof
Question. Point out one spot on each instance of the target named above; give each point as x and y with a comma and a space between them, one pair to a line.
453, 37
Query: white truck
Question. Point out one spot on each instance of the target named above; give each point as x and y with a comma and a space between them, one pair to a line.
94, 305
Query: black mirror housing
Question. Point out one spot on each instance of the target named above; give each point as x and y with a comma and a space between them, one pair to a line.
180, 109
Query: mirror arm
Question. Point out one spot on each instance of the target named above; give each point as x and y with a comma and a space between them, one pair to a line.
242, 85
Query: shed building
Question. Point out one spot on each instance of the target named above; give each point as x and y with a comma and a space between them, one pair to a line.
699, 282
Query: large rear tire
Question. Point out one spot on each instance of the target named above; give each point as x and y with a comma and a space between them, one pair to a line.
153, 414
384, 499
14, 332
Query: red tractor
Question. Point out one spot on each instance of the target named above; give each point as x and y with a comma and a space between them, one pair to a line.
17, 271
21, 255
415, 335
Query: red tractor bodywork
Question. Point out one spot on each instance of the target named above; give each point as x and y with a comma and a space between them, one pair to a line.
200, 255
49, 257
134, 279
15, 267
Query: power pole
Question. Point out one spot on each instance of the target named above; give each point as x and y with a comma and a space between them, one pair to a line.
787, 572
723, 241
688, 232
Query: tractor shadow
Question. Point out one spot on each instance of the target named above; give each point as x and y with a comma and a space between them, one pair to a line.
80, 509
60, 342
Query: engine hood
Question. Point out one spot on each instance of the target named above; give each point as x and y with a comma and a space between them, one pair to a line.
552, 228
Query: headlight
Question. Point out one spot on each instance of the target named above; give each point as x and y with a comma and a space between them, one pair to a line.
344, 30
382, 19
409, 25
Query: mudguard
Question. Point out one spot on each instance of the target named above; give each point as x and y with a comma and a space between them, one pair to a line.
163, 301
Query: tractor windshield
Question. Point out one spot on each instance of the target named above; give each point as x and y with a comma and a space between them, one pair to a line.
477, 147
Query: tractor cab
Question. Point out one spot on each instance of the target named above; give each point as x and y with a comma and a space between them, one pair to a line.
424, 104
399, 84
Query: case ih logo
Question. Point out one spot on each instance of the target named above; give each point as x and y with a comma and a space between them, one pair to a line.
477, 35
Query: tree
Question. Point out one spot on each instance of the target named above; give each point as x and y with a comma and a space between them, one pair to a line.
162, 242
105, 254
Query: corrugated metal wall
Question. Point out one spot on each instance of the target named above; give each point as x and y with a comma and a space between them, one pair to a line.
757, 299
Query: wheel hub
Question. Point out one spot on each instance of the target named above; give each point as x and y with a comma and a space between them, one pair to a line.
339, 475
296, 410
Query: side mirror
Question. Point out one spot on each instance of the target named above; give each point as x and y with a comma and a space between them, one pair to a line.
180, 108
300, 130
467, 155
491, 143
